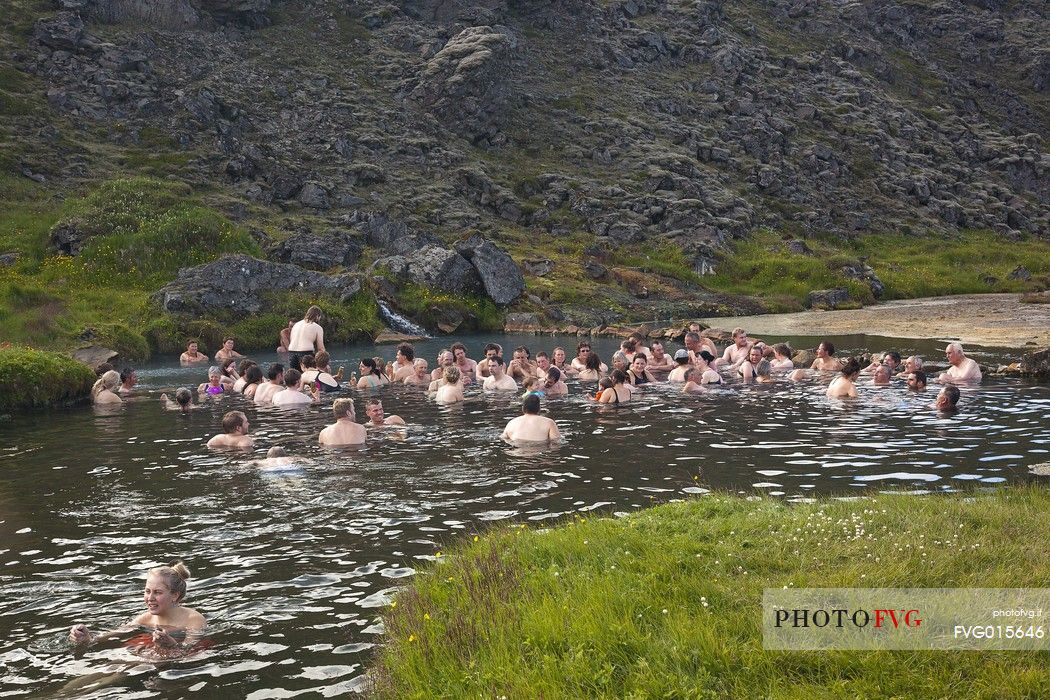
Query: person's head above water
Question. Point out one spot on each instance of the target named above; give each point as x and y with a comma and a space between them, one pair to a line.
917, 380
826, 348
948, 399
452, 375
370, 366
851, 369
313, 314
374, 410
275, 371
234, 422
253, 375
681, 356
882, 374
276, 451
531, 404
107, 382
183, 396
343, 408
166, 586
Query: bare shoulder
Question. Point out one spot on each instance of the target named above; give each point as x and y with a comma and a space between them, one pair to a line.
193, 619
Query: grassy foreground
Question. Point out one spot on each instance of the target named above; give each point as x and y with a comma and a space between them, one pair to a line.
666, 603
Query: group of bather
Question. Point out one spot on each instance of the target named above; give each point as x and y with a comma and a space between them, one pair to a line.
696, 367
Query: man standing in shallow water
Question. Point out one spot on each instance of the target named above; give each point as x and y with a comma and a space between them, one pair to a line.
531, 426
345, 430
234, 432
737, 353
963, 368
374, 411
826, 361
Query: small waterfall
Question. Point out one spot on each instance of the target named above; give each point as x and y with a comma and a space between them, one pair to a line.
399, 323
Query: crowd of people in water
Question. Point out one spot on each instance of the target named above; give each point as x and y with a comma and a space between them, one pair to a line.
697, 367
308, 377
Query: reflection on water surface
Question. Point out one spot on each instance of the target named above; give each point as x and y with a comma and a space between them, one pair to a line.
293, 562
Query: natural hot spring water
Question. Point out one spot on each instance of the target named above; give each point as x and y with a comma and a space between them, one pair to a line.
291, 566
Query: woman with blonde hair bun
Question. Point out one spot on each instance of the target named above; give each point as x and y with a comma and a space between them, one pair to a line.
171, 625
105, 389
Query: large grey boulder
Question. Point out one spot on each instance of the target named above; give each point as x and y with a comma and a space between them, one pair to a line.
499, 274
318, 252
64, 31
240, 285
434, 266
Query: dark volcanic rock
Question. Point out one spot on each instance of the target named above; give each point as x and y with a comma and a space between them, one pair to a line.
827, 298
318, 252
434, 266
595, 270
67, 238
1037, 364
63, 31
499, 273
1020, 273
538, 266
237, 286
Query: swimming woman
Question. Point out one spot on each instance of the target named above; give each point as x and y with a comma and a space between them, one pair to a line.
593, 368
214, 385
165, 617
372, 375
104, 390
619, 392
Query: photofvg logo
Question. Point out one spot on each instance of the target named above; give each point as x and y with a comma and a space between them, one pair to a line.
839, 617
906, 618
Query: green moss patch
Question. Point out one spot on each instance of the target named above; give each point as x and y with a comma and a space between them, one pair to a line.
427, 306
666, 603
34, 379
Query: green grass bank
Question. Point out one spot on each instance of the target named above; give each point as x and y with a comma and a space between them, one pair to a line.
32, 379
666, 603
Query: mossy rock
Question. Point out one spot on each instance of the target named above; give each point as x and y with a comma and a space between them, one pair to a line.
164, 334
130, 345
259, 332
429, 307
32, 379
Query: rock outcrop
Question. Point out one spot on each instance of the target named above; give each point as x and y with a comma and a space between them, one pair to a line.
500, 275
466, 82
237, 286
434, 266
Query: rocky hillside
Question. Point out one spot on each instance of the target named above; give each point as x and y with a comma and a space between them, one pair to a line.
589, 138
